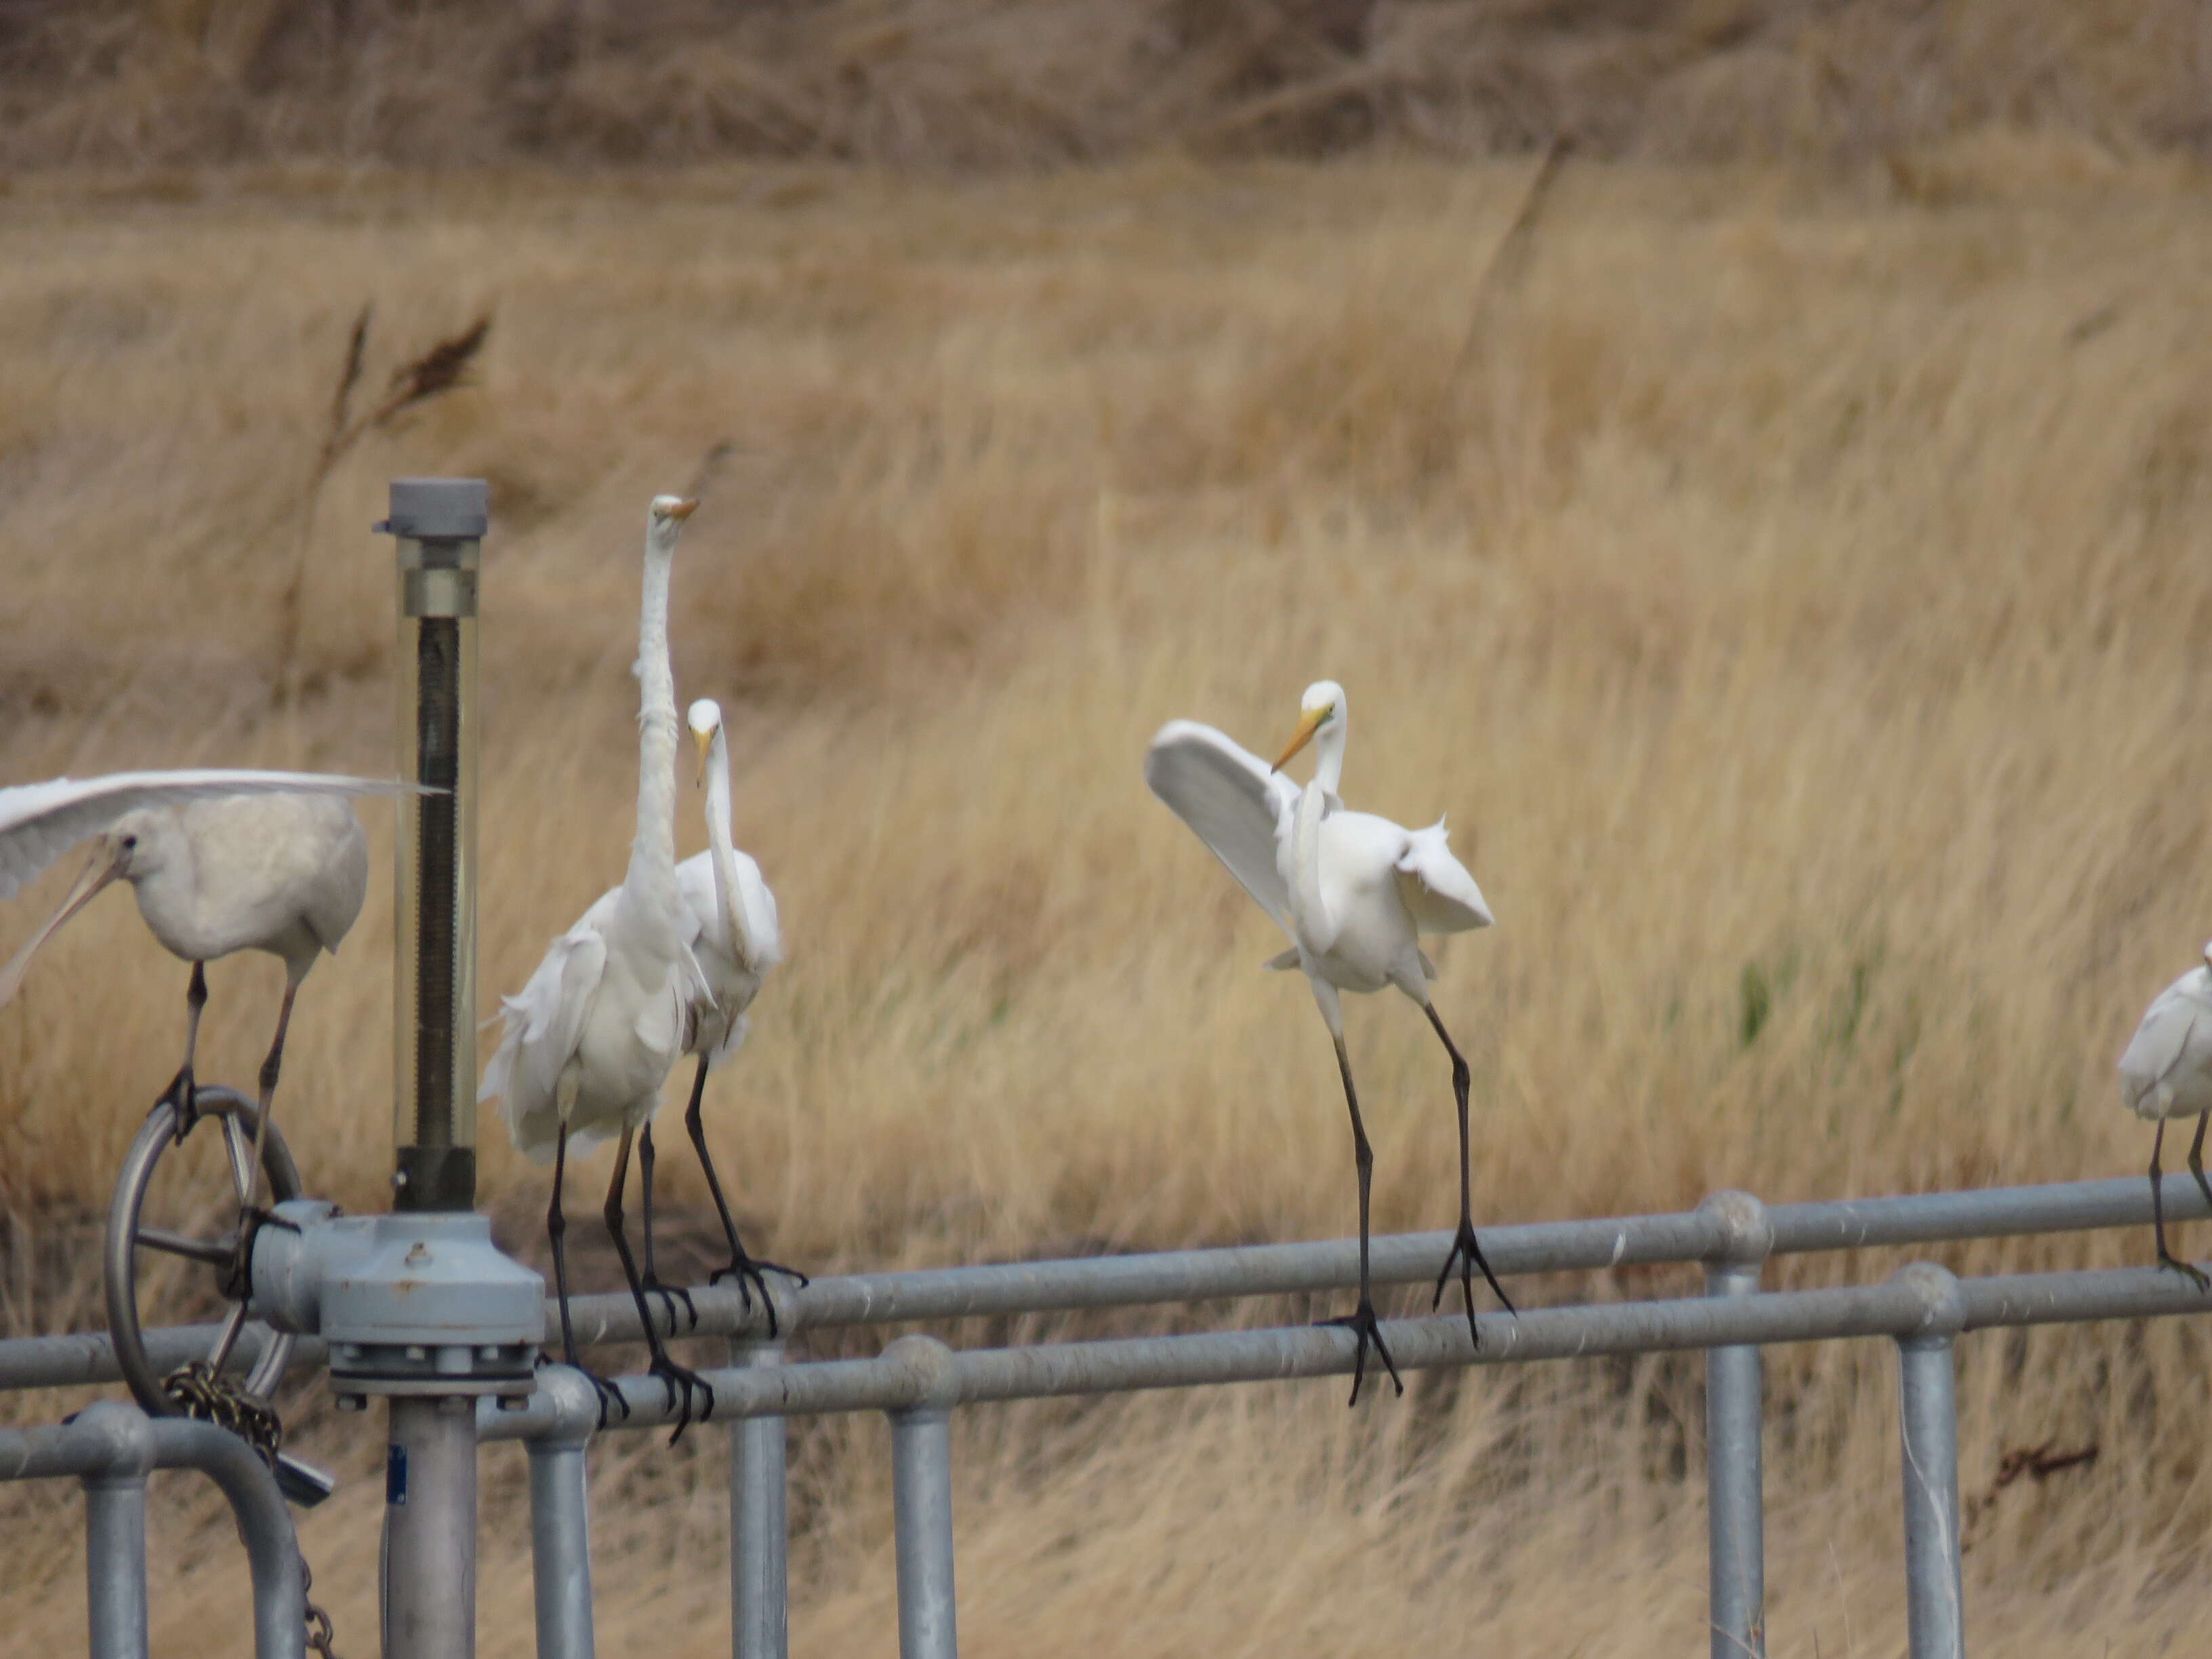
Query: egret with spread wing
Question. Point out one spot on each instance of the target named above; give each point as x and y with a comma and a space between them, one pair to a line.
2167, 1071
594, 1034
731, 927
1354, 893
220, 861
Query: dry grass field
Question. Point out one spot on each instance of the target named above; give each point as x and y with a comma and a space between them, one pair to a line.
1795, 592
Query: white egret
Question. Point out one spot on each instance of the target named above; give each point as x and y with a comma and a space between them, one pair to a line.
731, 927
220, 861
594, 1034
1354, 893
2166, 1072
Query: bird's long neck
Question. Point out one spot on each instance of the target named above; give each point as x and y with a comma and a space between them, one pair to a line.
1328, 757
653, 854
1316, 928
723, 852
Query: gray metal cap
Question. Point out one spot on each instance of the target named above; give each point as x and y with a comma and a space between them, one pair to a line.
438, 509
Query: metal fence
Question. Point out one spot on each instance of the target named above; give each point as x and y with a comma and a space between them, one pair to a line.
917, 1381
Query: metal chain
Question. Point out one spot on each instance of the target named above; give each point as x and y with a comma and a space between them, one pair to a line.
202, 1392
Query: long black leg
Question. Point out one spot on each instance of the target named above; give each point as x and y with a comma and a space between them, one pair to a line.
678, 1380
1464, 1250
271, 1068
183, 1093
557, 1232
2165, 1257
669, 1296
1362, 1319
740, 1267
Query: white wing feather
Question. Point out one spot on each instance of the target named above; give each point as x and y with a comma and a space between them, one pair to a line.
543, 1025
2166, 1069
40, 822
1230, 797
1439, 894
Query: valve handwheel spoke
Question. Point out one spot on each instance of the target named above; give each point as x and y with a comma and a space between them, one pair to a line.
127, 1234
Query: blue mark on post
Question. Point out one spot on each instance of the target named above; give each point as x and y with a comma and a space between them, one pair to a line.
395, 1475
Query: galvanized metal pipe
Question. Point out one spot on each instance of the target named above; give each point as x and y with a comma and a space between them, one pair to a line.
109, 1437
1900, 1308
1258, 1270
429, 1567
115, 1564
760, 1531
921, 1502
1928, 1434
560, 1519
1736, 1517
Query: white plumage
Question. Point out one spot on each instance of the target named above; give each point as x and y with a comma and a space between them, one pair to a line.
220, 861
2165, 1072
1353, 892
592, 1038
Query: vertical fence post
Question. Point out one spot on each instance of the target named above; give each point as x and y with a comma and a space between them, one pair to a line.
921, 1501
1927, 1414
115, 1559
759, 1526
1735, 1517
430, 1529
560, 1518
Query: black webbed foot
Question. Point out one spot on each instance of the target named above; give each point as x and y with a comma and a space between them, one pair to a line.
750, 1276
1466, 1255
1363, 1324
679, 1381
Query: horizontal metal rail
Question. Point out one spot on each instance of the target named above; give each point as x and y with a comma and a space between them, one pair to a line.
1706, 1234
918, 1372
111, 1447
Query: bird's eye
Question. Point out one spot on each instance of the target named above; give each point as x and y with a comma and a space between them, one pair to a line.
130, 843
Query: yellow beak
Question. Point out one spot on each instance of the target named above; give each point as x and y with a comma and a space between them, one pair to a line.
705, 740
1302, 737
684, 510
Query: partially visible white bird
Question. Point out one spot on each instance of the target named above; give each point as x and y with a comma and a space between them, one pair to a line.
731, 928
2167, 1071
591, 1039
220, 861
1354, 893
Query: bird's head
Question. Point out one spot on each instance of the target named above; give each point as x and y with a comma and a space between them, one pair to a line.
1323, 703
2207, 957
665, 520
132, 848
705, 719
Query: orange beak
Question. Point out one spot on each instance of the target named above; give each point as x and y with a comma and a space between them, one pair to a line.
684, 510
1302, 737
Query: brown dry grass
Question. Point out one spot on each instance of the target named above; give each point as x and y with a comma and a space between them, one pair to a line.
1012, 83
1795, 595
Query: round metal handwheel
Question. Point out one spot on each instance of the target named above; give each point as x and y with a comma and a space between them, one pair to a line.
127, 1234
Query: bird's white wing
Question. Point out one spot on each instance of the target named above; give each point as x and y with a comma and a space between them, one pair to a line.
40, 822
761, 927
1237, 804
2160, 1043
543, 1025
1439, 894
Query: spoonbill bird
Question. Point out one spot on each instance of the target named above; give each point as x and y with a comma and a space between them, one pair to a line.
602, 1022
731, 927
1354, 893
2166, 1072
220, 861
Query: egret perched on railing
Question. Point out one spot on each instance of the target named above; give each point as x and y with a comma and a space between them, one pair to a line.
221, 861
2167, 1071
1354, 893
592, 1038
731, 927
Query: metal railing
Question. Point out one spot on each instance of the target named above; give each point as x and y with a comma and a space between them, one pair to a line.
917, 1382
